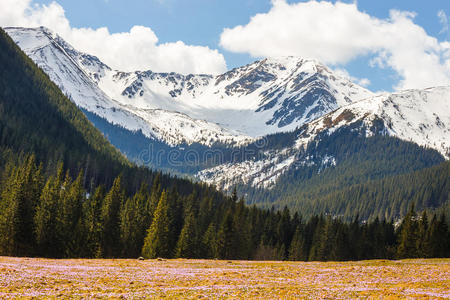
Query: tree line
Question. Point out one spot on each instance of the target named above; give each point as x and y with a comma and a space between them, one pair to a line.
57, 216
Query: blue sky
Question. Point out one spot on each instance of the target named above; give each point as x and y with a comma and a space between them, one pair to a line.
202, 23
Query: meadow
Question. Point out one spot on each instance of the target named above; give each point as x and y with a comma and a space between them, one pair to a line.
179, 278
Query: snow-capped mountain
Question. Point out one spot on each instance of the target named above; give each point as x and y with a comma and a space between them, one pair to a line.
267, 96
78, 76
300, 98
419, 116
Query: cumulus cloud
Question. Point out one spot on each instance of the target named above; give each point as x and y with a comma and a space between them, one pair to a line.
137, 49
338, 33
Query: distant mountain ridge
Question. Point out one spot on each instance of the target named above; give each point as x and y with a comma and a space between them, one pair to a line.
267, 96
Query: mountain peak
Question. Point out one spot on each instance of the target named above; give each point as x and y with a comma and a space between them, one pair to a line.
271, 95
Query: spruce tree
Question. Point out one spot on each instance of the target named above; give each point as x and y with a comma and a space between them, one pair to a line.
110, 217
226, 243
19, 198
423, 247
73, 227
157, 241
187, 245
408, 236
133, 222
155, 195
45, 219
209, 242
439, 237
93, 226
316, 251
175, 216
296, 250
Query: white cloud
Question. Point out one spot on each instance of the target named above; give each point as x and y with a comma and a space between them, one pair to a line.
338, 33
443, 20
137, 49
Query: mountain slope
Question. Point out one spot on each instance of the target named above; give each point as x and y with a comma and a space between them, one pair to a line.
267, 96
272, 95
386, 198
419, 116
36, 117
74, 73
348, 185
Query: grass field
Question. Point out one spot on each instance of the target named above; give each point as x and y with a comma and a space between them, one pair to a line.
84, 278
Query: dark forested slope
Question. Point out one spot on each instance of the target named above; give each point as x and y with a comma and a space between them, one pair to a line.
377, 176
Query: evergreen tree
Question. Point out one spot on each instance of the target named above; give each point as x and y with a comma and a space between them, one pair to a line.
157, 241
72, 208
175, 217
93, 226
110, 217
17, 205
155, 195
296, 250
284, 233
340, 249
423, 247
187, 245
408, 236
209, 242
317, 245
46, 219
133, 221
439, 237
226, 244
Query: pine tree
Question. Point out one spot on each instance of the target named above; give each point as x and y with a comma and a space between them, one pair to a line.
72, 221
439, 237
296, 250
187, 245
326, 240
340, 250
110, 217
134, 217
316, 251
17, 205
157, 241
45, 219
93, 226
155, 194
209, 242
242, 237
234, 196
9, 219
408, 236
423, 246
284, 231
175, 216
226, 246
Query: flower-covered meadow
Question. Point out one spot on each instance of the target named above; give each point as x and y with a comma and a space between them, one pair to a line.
122, 278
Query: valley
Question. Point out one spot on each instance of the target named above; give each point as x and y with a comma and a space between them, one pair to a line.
197, 149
